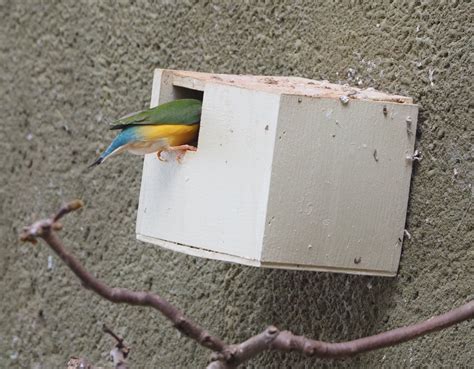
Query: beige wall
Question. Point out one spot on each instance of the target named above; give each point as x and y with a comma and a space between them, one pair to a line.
66, 70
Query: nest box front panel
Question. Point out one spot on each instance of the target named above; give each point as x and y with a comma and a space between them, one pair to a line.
216, 199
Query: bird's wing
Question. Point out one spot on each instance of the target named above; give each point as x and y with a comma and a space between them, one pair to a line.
183, 111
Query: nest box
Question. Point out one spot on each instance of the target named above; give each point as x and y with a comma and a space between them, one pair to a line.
289, 173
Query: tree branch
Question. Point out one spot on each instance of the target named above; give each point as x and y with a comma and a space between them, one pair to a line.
272, 339
230, 356
45, 229
118, 354
120, 351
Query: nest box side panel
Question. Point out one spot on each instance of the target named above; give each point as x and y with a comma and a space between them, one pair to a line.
340, 184
216, 199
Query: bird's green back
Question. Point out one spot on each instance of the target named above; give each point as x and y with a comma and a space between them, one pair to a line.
183, 111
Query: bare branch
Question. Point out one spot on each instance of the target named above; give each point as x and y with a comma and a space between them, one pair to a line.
45, 229
120, 352
230, 356
272, 339
110, 332
67, 208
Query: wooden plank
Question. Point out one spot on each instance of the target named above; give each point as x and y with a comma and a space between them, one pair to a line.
283, 85
339, 186
217, 197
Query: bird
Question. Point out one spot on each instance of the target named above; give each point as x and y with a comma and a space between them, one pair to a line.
172, 126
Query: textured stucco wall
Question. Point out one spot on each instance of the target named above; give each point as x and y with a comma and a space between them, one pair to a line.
67, 69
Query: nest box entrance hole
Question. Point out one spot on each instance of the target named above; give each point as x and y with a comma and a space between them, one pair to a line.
188, 93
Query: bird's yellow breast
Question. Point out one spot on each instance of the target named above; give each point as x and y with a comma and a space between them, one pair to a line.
173, 134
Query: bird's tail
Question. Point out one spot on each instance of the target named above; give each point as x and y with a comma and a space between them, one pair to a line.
99, 160
122, 139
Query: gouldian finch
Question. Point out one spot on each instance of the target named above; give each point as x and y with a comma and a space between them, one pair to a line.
172, 126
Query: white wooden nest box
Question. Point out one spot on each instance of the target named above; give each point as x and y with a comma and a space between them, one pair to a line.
289, 173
